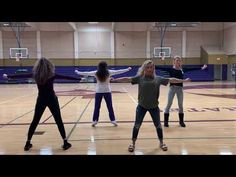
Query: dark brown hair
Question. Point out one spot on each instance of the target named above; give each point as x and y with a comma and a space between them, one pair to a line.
102, 72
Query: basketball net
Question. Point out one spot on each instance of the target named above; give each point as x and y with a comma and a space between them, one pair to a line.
17, 58
163, 58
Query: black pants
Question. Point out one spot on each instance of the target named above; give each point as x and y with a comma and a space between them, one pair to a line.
53, 105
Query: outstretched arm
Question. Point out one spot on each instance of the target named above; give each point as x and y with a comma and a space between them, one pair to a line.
194, 69
4, 76
59, 76
120, 71
17, 76
175, 80
85, 73
204, 67
122, 79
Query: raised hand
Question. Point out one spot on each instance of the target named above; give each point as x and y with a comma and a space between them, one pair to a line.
4, 76
204, 67
188, 80
76, 71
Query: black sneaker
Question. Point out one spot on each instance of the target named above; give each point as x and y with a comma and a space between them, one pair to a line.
28, 146
166, 124
66, 146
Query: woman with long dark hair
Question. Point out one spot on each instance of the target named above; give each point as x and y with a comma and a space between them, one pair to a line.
103, 89
44, 75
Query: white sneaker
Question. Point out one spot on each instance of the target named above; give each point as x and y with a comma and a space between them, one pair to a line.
114, 123
94, 123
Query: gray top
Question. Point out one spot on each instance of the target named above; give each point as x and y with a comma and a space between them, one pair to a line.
148, 90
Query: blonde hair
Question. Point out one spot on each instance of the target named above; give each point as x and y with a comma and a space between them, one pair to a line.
43, 70
144, 65
177, 56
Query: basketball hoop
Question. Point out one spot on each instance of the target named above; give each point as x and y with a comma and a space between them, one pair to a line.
17, 58
163, 58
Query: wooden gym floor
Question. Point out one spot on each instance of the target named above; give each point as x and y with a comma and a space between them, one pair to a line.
210, 117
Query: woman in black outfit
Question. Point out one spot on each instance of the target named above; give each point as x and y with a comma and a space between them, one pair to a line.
44, 75
176, 88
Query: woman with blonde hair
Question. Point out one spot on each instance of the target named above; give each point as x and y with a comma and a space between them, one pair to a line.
148, 94
177, 88
44, 76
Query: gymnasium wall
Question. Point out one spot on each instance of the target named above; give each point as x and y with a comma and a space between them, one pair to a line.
230, 40
92, 45
94, 62
28, 40
57, 44
171, 39
130, 44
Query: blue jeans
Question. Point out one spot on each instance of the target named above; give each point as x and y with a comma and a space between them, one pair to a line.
140, 113
179, 92
98, 100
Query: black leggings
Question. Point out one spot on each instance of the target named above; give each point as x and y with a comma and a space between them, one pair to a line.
53, 105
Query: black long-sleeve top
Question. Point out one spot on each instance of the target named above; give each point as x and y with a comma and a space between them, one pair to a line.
177, 73
46, 89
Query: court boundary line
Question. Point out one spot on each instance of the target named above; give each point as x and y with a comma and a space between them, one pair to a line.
100, 122
73, 128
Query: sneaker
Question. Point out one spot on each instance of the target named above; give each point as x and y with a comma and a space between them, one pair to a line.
166, 124
66, 146
94, 123
163, 147
114, 123
28, 146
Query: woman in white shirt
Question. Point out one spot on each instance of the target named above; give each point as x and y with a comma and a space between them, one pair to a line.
103, 89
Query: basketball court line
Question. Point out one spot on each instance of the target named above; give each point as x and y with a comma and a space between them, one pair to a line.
60, 108
108, 122
132, 98
69, 134
9, 123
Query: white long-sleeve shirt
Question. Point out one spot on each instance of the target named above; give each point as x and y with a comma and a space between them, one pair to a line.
102, 87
